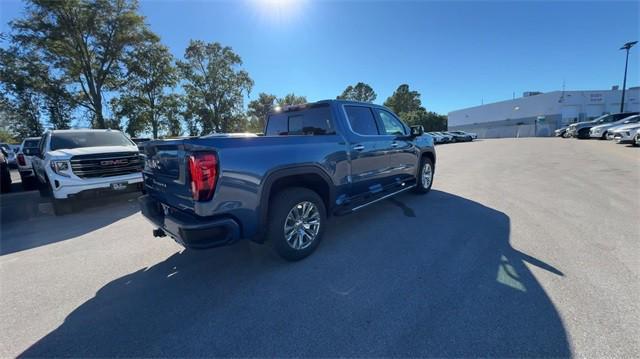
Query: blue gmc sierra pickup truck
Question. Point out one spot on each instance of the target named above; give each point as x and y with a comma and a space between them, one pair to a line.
325, 158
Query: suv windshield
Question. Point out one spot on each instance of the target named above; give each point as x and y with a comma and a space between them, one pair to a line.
68, 140
31, 143
30, 147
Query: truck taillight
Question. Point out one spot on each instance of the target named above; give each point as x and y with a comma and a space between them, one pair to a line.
21, 160
203, 168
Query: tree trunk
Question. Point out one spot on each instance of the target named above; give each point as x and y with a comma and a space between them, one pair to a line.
97, 104
154, 128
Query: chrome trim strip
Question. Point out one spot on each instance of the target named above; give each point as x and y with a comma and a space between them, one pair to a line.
381, 198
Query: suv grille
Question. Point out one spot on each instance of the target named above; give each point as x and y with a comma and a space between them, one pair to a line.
106, 165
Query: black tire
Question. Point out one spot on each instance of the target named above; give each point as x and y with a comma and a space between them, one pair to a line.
604, 136
583, 134
27, 183
61, 206
44, 189
5, 182
420, 187
280, 206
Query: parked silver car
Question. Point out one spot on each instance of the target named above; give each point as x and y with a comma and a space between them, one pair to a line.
626, 133
581, 129
601, 131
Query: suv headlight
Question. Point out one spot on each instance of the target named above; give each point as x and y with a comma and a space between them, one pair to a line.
62, 168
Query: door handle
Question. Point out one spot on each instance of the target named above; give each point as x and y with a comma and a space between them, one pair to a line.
358, 147
394, 144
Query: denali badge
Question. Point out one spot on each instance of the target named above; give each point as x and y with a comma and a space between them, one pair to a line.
113, 162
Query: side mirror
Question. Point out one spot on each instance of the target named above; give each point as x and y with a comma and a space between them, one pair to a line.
417, 130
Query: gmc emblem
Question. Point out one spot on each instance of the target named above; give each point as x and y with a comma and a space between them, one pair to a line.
113, 162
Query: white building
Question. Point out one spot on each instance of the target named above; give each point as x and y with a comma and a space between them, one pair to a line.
539, 114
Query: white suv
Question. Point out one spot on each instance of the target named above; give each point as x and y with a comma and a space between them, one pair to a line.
79, 163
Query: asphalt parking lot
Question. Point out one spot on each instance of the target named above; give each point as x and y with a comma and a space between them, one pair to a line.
524, 247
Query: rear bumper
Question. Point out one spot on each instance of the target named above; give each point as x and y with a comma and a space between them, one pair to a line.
25, 172
188, 230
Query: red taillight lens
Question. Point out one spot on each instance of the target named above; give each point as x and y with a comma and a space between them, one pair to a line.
21, 160
203, 167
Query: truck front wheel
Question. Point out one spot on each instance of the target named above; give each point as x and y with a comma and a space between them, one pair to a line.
61, 206
425, 176
297, 218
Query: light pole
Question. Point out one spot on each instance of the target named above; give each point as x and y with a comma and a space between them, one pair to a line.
626, 46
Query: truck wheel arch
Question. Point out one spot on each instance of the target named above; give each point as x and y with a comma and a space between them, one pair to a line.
429, 154
310, 176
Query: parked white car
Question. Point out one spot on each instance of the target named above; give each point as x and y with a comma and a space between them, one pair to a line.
626, 134
80, 163
26, 151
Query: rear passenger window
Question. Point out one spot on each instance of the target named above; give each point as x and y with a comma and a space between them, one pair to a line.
361, 120
312, 121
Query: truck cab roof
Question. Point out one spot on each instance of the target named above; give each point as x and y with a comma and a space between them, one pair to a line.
299, 107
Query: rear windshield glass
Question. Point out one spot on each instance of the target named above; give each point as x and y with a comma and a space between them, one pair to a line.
312, 121
88, 139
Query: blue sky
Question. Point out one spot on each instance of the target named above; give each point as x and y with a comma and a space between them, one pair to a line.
456, 54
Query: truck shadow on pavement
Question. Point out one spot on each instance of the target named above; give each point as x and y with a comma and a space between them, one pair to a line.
88, 216
443, 283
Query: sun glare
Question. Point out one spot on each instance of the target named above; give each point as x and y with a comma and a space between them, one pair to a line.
279, 11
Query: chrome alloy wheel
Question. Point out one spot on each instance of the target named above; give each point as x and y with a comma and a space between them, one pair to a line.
302, 225
427, 175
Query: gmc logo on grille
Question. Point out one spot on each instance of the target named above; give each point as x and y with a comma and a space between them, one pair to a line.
114, 162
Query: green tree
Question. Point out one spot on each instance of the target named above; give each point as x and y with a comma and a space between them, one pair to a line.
431, 121
404, 100
215, 82
151, 73
127, 107
6, 136
59, 103
407, 104
22, 99
360, 92
86, 40
191, 114
172, 106
291, 99
258, 110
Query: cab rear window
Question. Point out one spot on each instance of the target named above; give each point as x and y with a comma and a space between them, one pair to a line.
312, 121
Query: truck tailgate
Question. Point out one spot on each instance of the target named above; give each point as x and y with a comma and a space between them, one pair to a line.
165, 175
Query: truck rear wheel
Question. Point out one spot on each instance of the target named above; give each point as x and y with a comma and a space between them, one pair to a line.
297, 218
